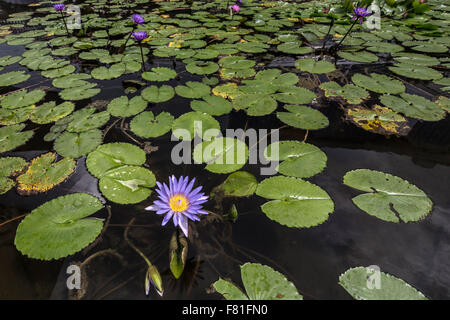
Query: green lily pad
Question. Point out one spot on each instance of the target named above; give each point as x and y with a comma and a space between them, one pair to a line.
146, 125
202, 67
71, 81
44, 174
124, 107
298, 159
59, 72
355, 282
303, 117
358, 56
9, 167
194, 123
76, 145
312, 66
50, 112
59, 227
12, 78
378, 83
296, 203
15, 116
388, 197
157, 94
113, 155
193, 90
255, 104
222, 155
12, 137
127, 184
159, 74
414, 106
87, 119
293, 48
22, 98
79, 93
260, 283
212, 105
416, 72
350, 93
295, 95
9, 60
104, 73
239, 184
236, 62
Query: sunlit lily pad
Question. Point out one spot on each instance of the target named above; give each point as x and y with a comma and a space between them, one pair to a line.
303, 117
350, 93
414, 106
222, 155
157, 94
12, 78
124, 107
15, 116
416, 72
159, 74
202, 67
127, 184
355, 282
44, 174
113, 155
87, 119
59, 72
359, 56
296, 203
22, 98
9, 167
388, 197
12, 137
213, 105
260, 283
104, 73
295, 95
193, 90
79, 93
146, 125
297, 159
76, 145
255, 104
378, 83
59, 227
239, 184
50, 112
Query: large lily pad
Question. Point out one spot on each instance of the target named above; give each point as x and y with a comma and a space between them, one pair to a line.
12, 78
76, 145
255, 104
124, 107
50, 112
378, 83
295, 95
159, 74
239, 184
59, 227
296, 203
388, 197
157, 94
146, 125
12, 137
414, 106
190, 124
303, 117
22, 98
212, 105
193, 90
312, 66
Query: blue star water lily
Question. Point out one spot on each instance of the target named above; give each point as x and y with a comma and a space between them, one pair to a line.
360, 13
179, 201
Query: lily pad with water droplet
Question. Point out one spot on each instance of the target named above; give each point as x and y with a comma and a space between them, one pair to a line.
59, 227
296, 203
356, 282
388, 197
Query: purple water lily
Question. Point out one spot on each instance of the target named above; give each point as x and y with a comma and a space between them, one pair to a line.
235, 8
59, 7
137, 19
360, 13
179, 201
140, 35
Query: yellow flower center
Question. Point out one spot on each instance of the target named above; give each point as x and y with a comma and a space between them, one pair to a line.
178, 203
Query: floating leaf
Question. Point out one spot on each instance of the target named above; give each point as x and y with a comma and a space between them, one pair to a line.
22, 98
86, 119
76, 145
12, 137
350, 93
146, 125
79, 93
359, 56
104, 73
127, 184
44, 174
298, 159
312, 66
190, 124
260, 283
295, 95
378, 83
416, 72
59, 227
389, 198
297, 203
222, 155
50, 112
414, 106
178, 254
239, 184
122, 107
255, 104
15, 116
303, 117
12, 78
213, 105
202, 67
355, 281
9, 166
193, 90
159, 74
113, 155
157, 94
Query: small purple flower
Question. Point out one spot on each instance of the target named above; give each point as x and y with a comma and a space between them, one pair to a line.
179, 201
59, 7
235, 8
360, 13
140, 35
238, 1
137, 19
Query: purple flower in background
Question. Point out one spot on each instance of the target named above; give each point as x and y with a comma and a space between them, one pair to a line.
235, 8
140, 35
238, 1
137, 19
360, 13
180, 201
59, 7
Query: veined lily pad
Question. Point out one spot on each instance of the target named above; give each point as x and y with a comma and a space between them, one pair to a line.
127, 184
159, 74
351, 93
260, 283
303, 117
22, 98
44, 173
255, 104
113, 155
222, 155
193, 90
296, 203
59, 227
9, 60
79, 93
414, 106
12, 137
295, 95
58, 72
298, 159
122, 107
12, 78
76, 145
86, 119
236, 62
15, 116
239, 184
388, 197
9, 166
157, 94
50, 112
312, 66
202, 67
194, 123
359, 56
416, 72
213, 105
355, 282
146, 125
71, 81
104, 73
378, 83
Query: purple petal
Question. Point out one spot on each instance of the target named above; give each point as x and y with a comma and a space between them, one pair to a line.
183, 223
167, 218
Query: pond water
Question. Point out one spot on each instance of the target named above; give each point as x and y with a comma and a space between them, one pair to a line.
311, 258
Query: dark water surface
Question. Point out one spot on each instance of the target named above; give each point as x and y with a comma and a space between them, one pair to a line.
312, 259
